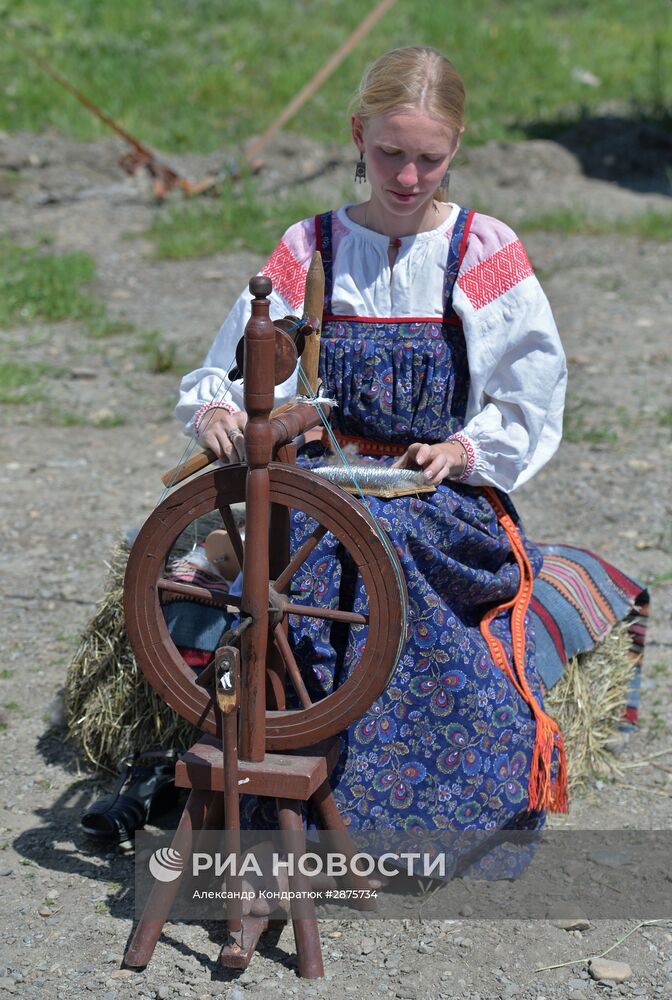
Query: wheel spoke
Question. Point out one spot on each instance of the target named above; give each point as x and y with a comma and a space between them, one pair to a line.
230, 524
381, 613
215, 597
285, 650
299, 557
329, 614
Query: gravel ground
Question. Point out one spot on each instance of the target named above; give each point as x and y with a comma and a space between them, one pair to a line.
80, 464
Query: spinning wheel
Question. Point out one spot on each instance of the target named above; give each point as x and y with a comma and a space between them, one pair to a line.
348, 521
257, 748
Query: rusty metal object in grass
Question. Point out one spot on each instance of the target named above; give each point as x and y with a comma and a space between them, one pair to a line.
140, 157
165, 178
313, 85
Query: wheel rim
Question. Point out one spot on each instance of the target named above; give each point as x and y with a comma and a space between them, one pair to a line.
347, 520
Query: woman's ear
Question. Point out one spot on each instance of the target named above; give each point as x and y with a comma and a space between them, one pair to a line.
357, 127
456, 142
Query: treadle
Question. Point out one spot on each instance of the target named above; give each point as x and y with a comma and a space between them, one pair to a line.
240, 946
290, 776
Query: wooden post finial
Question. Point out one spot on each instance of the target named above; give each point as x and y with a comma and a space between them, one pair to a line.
261, 286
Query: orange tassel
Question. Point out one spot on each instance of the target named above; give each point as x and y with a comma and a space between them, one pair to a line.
544, 794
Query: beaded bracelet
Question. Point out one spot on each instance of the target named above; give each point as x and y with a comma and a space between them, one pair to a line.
465, 461
216, 404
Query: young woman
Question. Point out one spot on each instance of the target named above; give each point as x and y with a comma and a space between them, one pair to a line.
440, 348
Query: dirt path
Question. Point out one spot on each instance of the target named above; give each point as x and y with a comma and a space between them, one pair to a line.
81, 464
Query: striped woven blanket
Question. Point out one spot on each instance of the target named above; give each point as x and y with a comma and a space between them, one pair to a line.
577, 599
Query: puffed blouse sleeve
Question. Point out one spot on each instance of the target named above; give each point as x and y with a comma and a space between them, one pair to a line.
210, 386
517, 367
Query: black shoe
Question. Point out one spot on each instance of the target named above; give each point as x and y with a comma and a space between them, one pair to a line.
149, 780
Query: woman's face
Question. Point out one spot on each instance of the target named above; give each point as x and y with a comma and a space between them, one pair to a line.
407, 153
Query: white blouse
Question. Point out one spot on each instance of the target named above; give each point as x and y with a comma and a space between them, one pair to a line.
517, 367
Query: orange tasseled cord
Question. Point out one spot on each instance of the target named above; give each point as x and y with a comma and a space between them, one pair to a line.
543, 793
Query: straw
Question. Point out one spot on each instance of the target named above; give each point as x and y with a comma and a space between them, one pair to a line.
588, 703
111, 709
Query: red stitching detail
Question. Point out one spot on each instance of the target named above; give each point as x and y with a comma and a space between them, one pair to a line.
471, 454
490, 278
287, 274
346, 318
465, 238
365, 446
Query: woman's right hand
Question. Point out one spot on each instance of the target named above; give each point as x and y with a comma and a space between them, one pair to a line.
221, 432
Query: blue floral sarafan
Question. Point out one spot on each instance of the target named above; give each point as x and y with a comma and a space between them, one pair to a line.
448, 745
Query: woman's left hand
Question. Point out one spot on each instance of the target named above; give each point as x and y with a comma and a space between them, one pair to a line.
446, 460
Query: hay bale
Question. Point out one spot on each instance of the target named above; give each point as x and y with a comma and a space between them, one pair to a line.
111, 710
588, 704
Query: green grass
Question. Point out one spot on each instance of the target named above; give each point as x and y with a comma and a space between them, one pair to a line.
661, 580
66, 418
160, 355
665, 419
110, 420
239, 220
647, 226
577, 429
22, 383
207, 74
101, 326
37, 284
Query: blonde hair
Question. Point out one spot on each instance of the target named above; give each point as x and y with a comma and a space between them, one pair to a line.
416, 77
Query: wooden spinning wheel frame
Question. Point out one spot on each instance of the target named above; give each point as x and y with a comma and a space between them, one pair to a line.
348, 521
228, 697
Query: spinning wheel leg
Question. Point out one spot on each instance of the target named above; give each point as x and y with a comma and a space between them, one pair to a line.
306, 934
148, 931
277, 496
331, 819
241, 945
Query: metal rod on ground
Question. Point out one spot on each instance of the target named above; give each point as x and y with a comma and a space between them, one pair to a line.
313, 85
164, 176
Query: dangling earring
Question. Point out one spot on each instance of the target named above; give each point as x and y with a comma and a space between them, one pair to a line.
445, 183
360, 170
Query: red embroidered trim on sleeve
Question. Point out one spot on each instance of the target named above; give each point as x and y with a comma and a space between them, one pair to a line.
491, 278
471, 455
287, 274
